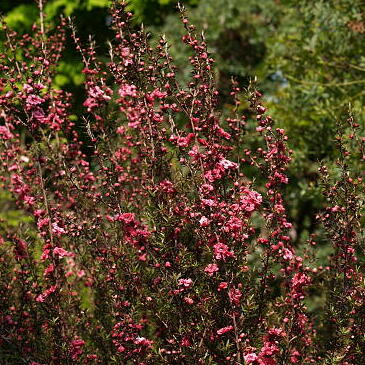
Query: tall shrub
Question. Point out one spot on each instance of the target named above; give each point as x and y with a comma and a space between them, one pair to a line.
149, 240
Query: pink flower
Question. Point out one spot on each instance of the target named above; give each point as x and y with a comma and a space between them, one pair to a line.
167, 187
49, 270
187, 283
209, 202
250, 199
76, 349
221, 251
226, 164
204, 221
38, 114
126, 218
235, 296
60, 252
188, 300
34, 100
128, 90
97, 93
30, 200
5, 133
250, 358
234, 224
211, 269
288, 254
42, 223
27, 88
143, 341
222, 285
223, 330
56, 229
42, 297
185, 342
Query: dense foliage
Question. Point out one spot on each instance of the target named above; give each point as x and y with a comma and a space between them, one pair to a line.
148, 214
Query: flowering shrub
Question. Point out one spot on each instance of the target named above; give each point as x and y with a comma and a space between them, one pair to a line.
150, 242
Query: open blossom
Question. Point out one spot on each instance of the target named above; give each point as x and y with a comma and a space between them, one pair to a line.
38, 114
127, 56
211, 269
43, 222
5, 133
298, 282
234, 224
167, 187
42, 297
209, 202
127, 218
48, 270
226, 164
97, 92
29, 200
221, 251
127, 90
188, 300
60, 252
187, 283
250, 358
287, 254
76, 348
250, 199
204, 221
222, 285
56, 229
34, 100
223, 330
235, 296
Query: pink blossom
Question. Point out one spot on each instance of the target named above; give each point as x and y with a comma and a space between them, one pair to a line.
226, 164
222, 285
126, 218
34, 100
287, 254
187, 283
143, 341
167, 187
27, 88
56, 229
250, 199
223, 330
128, 90
235, 296
30, 200
48, 270
97, 92
5, 133
43, 222
221, 251
38, 114
188, 300
211, 269
234, 224
42, 297
76, 348
250, 358
209, 202
60, 252
204, 221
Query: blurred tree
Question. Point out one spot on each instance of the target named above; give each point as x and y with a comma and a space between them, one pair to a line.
318, 51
